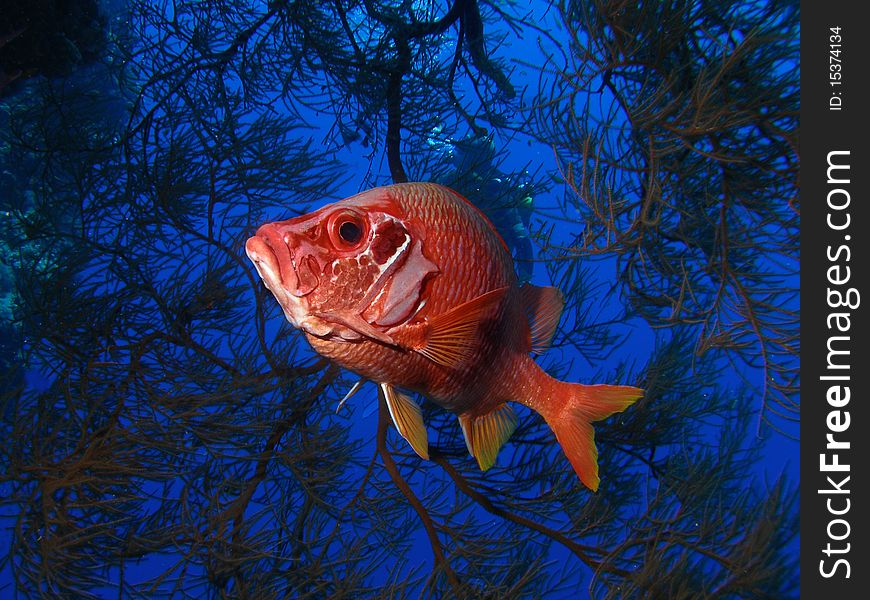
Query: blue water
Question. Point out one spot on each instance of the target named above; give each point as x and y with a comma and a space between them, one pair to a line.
637, 342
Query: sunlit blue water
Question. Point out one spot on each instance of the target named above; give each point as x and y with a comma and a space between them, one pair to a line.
518, 153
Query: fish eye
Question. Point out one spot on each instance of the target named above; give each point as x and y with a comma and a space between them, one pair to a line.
350, 232
347, 229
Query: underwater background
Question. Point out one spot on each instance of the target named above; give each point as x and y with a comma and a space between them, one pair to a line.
165, 433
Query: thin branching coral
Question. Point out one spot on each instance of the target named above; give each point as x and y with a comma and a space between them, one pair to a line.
675, 128
166, 435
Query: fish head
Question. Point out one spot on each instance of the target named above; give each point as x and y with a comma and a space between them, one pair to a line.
344, 268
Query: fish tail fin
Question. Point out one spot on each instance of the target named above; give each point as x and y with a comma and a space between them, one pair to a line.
570, 412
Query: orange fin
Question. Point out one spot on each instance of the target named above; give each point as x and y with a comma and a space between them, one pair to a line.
408, 419
543, 306
572, 422
451, 337
486, 434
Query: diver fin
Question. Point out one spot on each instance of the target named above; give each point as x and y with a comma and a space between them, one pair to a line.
486, 434
543, 306
356, 323
451, 337
408, 419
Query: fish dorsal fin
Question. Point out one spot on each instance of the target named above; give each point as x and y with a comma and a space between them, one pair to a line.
543, 306
408, 419
486, 434
452, 337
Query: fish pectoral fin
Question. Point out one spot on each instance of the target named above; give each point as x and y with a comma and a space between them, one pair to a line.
451, 337
355, 322
408, 419
486, 434
543, 306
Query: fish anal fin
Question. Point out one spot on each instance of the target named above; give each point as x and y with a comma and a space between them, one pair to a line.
466, 423
408, 419
451, 337
543, 307
486, 434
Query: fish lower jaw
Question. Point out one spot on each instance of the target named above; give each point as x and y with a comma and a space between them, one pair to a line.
313, 326
295, 308
297, 314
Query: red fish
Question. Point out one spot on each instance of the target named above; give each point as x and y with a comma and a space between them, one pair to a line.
411, 287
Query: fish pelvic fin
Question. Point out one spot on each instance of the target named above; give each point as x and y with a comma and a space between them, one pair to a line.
572, 410
486, 434
451, 337
353, 390
408, 419
543, 306
356, 323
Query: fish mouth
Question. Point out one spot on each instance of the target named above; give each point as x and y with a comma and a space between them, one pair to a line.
268, 266
280, 268
279, 277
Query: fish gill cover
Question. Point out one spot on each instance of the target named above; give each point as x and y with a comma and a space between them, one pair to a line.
165, 434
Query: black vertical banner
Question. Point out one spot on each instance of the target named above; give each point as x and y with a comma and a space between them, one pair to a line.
835, 368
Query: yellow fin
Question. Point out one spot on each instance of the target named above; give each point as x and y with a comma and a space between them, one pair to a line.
486, 434
465, 422
452, 336
408, 419
543, 307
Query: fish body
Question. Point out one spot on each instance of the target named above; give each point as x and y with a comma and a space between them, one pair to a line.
411, 287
